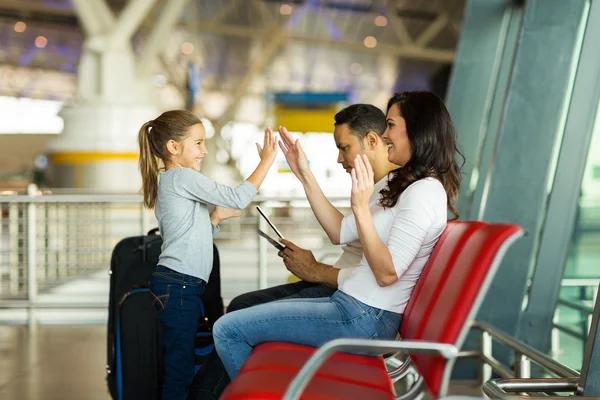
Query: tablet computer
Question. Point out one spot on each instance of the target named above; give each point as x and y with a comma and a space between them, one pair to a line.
274, 242
269, 222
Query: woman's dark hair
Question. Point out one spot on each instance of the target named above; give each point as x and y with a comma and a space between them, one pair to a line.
433, 143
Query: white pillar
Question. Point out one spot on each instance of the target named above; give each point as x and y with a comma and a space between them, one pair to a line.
98, 146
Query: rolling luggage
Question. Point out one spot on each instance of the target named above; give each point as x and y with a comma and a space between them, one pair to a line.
134, 367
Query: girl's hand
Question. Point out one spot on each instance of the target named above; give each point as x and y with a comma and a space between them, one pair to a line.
294, 155
221, 213
363, 183
268, 152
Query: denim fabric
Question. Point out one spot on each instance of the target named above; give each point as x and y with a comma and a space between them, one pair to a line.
177, 302
212, 378
309, 322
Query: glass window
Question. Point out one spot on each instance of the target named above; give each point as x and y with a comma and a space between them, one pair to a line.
582, 272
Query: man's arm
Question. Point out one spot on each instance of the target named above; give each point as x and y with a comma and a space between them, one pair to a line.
328, 216
303, 264
327, 275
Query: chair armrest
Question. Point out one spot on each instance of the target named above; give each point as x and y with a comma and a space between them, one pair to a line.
301, 380
509, 388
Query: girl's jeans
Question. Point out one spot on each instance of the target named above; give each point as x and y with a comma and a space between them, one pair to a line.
178, 304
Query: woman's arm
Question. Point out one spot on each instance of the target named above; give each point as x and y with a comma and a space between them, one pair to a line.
409, 229
377, 254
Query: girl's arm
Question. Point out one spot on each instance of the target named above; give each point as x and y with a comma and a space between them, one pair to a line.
267, 157
201, 188
198, 187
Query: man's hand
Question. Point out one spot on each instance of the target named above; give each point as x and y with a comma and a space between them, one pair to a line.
299, 261
221, 213
294, 155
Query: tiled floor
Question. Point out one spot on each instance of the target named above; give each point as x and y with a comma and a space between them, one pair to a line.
67, 363
53, 363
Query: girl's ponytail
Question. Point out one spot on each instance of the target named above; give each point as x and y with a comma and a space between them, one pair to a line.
153, 138
148, 164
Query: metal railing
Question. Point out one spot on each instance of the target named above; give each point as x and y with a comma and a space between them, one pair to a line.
524, 355
49, 239
568, 381
585, 312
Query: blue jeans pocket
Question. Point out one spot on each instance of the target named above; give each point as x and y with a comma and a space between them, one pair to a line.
160, 294
391, 323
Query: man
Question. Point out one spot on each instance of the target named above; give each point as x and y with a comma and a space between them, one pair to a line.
357, 130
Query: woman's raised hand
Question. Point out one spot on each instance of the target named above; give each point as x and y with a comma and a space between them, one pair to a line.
363, 183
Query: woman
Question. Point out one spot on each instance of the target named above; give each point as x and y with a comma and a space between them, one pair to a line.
397, 235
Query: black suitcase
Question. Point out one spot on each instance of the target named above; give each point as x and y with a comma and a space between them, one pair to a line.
134, 344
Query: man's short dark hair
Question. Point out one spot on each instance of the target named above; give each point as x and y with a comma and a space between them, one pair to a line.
362, 119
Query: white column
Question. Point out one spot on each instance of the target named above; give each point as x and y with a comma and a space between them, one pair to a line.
98, 146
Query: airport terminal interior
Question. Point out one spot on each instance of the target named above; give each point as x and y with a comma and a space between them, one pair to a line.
521, 82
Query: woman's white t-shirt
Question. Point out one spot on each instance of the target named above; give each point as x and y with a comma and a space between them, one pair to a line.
409, 230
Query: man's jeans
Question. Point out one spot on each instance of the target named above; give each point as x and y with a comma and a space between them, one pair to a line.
212, 379
177, 302
310, 322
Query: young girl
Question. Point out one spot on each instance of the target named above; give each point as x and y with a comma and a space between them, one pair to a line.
180, 200
397, 235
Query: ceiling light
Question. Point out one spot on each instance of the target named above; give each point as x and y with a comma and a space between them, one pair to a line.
370, 42
20, 26
41, 42
381, 20
187, 48
285, 9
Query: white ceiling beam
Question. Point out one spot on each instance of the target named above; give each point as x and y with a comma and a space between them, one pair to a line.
165, 23
86, 11
275, 39
432, 30
225, 11
398, 25
130, 19
228, 30
432, 54
439, 55
400, 30
260, 6
103, 14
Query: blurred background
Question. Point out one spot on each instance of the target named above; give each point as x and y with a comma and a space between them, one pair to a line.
79, 77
